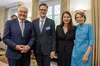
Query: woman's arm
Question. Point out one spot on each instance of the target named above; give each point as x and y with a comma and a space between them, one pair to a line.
91, 43
85, 57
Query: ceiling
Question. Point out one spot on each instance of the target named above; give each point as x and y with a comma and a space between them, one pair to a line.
4, 3
43, 0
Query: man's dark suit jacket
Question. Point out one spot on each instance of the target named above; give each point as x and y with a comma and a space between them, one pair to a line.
46, 40
12, 36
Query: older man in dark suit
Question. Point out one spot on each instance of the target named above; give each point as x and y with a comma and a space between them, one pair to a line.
19, 37
45, 37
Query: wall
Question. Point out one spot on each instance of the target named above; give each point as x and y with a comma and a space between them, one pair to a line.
1, 19
81, 4
2, 10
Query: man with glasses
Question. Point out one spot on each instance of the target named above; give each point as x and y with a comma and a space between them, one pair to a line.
19, 37
45, 37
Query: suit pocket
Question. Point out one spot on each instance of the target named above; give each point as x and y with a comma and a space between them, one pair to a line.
48, 32
48, 28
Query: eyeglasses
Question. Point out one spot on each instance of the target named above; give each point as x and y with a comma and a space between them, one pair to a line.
43, 10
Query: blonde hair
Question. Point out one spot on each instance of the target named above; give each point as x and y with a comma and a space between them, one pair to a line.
82, 14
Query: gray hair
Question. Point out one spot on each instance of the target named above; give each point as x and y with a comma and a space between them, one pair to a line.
22, 7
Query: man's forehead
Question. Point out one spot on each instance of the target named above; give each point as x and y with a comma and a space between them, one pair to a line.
43, 7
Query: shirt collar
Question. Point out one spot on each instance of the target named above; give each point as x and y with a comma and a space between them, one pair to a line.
21, 20
42, 19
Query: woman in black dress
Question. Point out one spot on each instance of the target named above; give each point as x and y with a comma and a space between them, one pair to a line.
65, 34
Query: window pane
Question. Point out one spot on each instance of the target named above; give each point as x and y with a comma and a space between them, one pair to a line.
49, 17
49, 10
57, 20
57, 9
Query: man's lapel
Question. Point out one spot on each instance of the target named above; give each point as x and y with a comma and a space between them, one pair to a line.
26, 27
44, 27
37, 26
18, 27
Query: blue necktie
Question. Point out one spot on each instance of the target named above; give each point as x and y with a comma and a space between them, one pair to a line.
22, 28
41, 26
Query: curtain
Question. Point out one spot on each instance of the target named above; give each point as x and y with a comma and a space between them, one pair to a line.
35, 8
95, 12
65, 5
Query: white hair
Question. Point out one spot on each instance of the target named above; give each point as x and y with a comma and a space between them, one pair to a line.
22, 7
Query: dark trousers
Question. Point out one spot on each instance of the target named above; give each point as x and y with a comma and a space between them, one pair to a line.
23, 61
43, 60
64, 59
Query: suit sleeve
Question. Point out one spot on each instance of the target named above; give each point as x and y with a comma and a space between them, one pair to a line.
53, 36
32, 39
56, 38
7, 36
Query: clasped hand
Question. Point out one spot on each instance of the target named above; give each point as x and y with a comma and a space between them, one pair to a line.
22, 48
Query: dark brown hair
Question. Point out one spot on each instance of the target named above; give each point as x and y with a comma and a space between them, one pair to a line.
13, 16
82, 14
43, 4
70, 25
